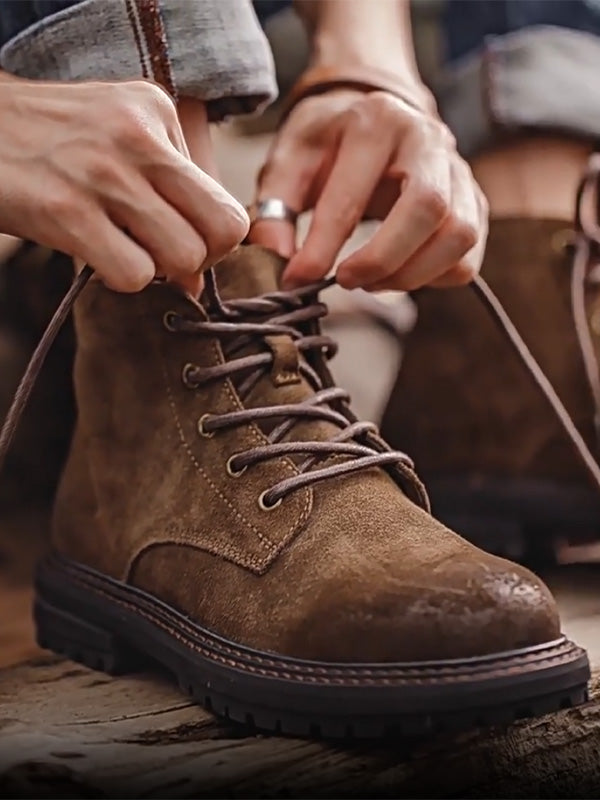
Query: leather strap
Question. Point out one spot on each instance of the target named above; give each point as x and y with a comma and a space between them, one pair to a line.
320, 79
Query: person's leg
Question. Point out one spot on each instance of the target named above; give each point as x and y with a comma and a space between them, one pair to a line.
533, 176
520, 97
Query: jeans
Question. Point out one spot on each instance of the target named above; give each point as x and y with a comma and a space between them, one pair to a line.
508, 66
497, 66
214, 50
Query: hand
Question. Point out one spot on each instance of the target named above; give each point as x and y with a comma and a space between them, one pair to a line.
101, 171
351, 156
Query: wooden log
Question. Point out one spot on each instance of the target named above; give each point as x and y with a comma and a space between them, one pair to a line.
66, 731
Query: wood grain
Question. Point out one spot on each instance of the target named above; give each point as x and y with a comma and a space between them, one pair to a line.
70, 732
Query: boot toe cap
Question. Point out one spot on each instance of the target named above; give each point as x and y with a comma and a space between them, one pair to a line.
465, 610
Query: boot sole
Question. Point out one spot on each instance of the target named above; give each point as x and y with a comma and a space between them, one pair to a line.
108, 625
520, 519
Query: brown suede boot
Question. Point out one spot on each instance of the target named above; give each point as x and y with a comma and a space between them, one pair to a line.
499, 467
223, 513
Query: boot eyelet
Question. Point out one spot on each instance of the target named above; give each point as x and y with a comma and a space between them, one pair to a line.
169, 321
234, 473
268, 506
202, 430
185, 376
562, 239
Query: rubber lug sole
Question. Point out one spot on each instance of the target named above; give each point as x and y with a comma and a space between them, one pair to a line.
110, 626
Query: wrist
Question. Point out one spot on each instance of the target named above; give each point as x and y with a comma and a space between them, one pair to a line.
331, 50
346, 55
321, 78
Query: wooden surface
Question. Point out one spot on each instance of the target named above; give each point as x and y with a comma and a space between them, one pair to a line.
67, 731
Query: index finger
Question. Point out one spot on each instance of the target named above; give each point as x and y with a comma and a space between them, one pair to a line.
359, 164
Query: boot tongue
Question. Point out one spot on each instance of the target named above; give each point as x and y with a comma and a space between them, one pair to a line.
249, 271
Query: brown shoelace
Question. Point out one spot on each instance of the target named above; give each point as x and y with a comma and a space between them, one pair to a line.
279, 313
237, 323
586, 241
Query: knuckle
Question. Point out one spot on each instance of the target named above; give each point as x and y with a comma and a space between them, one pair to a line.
102, 172
482, 202
359, 118
464, 236
64, 205
463, 274
134, 280
233, 227
380, 106
432, 201
132, 129
150, 94
447, 138
192, 255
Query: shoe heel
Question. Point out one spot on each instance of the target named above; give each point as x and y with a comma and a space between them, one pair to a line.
82, 641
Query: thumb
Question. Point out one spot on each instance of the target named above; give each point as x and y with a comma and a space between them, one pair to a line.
288, 179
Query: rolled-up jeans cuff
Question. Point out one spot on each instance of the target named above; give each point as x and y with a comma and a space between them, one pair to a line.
542, 78
215, 50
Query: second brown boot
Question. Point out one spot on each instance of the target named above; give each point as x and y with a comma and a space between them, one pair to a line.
499, 465
223, 513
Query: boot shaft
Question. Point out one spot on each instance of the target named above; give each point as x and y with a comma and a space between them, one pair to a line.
464, 402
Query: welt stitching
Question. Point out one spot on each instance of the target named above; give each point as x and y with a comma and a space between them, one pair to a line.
96, 585
303, 678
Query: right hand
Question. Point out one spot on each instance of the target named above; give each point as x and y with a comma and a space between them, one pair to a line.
101, 171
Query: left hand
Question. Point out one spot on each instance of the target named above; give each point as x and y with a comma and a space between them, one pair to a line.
350, 156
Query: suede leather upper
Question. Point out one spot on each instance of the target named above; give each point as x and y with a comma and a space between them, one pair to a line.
349, 569
464, 403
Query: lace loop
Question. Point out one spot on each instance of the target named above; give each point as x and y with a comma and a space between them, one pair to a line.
244, 322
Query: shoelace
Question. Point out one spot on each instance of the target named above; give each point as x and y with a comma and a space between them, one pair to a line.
287, 309
586, 241
237, 323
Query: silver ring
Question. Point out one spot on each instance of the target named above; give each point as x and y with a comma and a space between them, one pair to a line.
272, 208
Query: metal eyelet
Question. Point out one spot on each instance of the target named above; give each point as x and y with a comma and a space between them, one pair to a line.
185, 376
265, 506
234, 473
202, 430
562, 239
169, 318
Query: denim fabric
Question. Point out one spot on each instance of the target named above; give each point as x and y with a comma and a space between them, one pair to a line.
16, 15
212, 50
499, 67
468, 23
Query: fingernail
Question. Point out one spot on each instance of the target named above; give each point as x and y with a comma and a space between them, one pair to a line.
346, 281
289, 281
